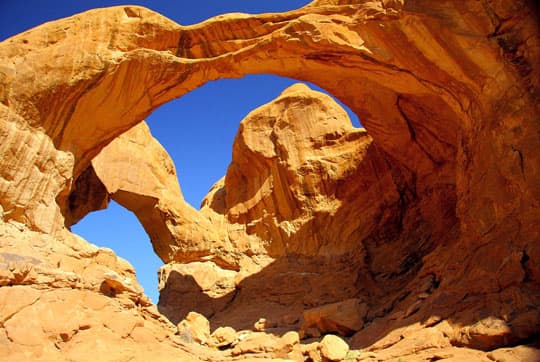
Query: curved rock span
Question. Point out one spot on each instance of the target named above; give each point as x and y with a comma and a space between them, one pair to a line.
416, 236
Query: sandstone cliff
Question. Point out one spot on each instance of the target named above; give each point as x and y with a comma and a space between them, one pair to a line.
427, 220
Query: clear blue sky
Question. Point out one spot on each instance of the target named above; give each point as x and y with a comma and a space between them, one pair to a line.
197, 130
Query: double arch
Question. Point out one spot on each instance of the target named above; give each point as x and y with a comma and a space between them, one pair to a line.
128, 61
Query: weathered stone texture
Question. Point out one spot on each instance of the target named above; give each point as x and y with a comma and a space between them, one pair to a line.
429, 216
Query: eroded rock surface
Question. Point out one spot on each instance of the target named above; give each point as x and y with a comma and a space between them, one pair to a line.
430, 219
297, 163
135, 171
62, 298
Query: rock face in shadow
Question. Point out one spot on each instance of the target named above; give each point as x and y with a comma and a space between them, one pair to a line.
430, 218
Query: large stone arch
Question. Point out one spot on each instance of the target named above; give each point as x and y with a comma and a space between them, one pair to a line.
448, 91
107, 72
425, 86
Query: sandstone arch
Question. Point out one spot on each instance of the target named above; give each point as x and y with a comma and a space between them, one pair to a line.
422, 106
135, 171
448, 91
138, 60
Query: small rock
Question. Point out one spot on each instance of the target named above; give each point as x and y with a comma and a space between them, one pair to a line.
195, 327
515, 354
259, 325
290, 338
223, 336
333, 348
114, 284
312, 351
257, 342
486, 334
286, 344
262, 324
315, 355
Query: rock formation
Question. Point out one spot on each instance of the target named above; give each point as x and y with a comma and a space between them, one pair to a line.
135, 171
297, 163
429, 218
64, 299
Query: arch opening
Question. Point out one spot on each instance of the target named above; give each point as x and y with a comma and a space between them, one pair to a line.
182, 127
198, 129
118, 229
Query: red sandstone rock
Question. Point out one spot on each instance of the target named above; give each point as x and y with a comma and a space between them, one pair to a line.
433, 222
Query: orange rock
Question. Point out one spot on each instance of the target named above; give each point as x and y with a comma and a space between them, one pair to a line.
414, 342
344, 317
138, 173
312, 351
279, 151
262, 324
256, 342
223, 337
519, 353
333, 348
273, 188
194, 328
287, 344
440, 200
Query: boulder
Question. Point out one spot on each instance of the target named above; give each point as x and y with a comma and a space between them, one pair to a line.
223, 337
288, 346
255, 342
333, 348
344, 318
194, 328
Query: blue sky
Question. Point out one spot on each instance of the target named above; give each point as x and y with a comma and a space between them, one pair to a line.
197, 129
